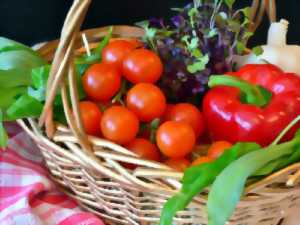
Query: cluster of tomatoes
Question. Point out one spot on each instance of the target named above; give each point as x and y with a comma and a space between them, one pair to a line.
129, 123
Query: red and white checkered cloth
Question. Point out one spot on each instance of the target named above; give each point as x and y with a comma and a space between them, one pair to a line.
27, 196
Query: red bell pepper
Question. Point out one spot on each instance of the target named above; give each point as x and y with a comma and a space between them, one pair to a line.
254, 104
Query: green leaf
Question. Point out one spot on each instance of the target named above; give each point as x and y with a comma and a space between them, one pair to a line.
197, 178
246, 11
40, 76
258, 50
38, 94
3, 134
14, 78
9, 45
8, 95
199, 65
212, 32
20, 59
229, 3
25, 106
153, 129
229, 185
247, 35
234, 25
240, 47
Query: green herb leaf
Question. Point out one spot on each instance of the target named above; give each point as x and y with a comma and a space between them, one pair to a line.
229, 185
212, 32
196, 178
153, 128
20, 59
40, 76
14, 78
10, 45
234, 25
199, 65
240, 47
8, 95
3, 134
229, 3
247, 35
25, 106
258, 50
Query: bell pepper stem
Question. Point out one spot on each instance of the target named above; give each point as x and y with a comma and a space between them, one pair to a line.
250, 94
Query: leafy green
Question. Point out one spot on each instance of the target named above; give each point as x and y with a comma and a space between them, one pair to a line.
40, 76
25, 106
10, 45
3, 134
229, 3
258, 50
20, 59
196, 178
14, 78
199, 65
8, 95
229, 185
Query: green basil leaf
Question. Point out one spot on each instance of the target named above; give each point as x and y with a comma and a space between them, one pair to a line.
197, 178
40, 76
229, 185
25, 106
14, 78
229, 3
20, 59
8, 95
240, 47
3, 134
9, 45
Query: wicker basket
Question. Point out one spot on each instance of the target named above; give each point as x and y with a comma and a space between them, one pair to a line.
89, 170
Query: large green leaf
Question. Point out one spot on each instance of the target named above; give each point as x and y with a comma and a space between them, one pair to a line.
8, 95
229, 185
9, 45
24, 107
14, 78
197, 178
20, 59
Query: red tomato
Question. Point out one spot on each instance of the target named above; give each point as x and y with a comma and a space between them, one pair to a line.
142, 66
185, 112
175, 139
201, 160
119, 125
91, 117
144, 148
147, 101
101, 81
178, 164
166, 115
115, 52
218, 148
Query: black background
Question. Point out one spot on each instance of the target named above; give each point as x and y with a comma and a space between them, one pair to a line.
32, 21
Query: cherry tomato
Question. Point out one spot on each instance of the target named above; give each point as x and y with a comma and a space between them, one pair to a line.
175, 139
115, 52
91, 117
178, 164
166, 115
218, 148
144, 148
185, 112
142, 66
147, 101
119, 125
101, 81
201, 160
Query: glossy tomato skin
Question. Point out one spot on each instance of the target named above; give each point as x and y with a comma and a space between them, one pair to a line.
179, 164
147, 101
202, 160
101, 81
115, 52
144, 148
119, 125
186, 112
218, 148
142, 66
175, 139
91, 117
